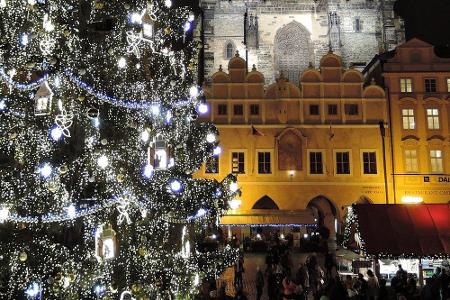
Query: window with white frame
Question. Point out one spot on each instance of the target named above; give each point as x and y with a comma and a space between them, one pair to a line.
436, 161
408, 118
264, 163
342, 162
212, 165
433, 118
315, 162
370, 162
238, 162
411, 161
406, 85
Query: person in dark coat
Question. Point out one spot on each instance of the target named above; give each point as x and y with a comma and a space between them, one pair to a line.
259, 283
272, 289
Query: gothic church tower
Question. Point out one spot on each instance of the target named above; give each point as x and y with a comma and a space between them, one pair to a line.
287, 36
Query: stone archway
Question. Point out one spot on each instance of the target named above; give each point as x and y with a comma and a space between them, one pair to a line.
328, 216
265, 202
292, 50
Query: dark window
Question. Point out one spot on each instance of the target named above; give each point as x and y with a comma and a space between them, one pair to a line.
238, 109
254, 109
430, 85
212, 165
370, 162
358, 25
264, 163
351, 109
222, 109
229, 50
315, 163
342, 163
332, 109
237, 163
314, 109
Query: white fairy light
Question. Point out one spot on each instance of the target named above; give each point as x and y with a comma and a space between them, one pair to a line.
4, 214
33, 290
47, 24
2, 105
46, 170
145, 136
56, 133
202, 108
136, 18
168, 3
122, 63
175, 186
191, 17
31, 2
24, 39
217, 151
201, 213
2, 3
148, 171
234, 187
235, 204
193, 91
102, 161
210, 137
71, 211
187, 26
155, 109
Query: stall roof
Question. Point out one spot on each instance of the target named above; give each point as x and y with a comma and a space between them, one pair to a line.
270, 217
421, 230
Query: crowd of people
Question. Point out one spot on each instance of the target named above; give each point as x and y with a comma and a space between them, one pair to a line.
311, 281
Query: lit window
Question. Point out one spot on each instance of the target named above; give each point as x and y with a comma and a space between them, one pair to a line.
238, 163
433, 118
332, 109
229, 51
430, 85
238, 109
436, 161
212, 165
343, 162
370, 162
264, 163
351, 109
406, 85
448, 85
315, 163
314, 110
411, 163
254, 109
408, 119
222, 109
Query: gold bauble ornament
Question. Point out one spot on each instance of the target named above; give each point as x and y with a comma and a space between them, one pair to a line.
142, 251
56, 288
120, 178
71, 277
104, 142
136, 288
58, 277
52, 186
167, 30
13, 135
127, 6
23, 256
63, 169
113, 288
110, 51
99, 4
81, 98
31, 65
66, 32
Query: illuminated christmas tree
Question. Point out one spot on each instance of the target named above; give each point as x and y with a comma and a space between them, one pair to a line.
99, 142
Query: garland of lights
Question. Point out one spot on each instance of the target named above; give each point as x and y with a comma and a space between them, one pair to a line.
99, 146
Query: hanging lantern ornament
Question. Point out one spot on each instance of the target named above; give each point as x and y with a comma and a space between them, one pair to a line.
105, 243
148, 23
43, 100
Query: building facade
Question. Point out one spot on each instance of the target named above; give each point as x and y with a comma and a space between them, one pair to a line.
287, 36
418, 85
317, 145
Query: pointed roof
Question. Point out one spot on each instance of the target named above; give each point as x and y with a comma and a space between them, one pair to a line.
415, 43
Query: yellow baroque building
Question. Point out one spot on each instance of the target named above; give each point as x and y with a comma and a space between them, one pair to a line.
313, 147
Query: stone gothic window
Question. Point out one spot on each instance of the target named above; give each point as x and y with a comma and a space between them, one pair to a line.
229, 50
292, 50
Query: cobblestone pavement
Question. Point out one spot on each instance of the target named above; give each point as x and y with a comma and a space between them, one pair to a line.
251, 261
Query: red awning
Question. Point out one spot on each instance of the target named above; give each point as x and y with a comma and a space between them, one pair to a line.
404, 230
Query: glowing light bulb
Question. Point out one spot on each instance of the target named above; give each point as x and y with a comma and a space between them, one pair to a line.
71, 211
175, 186
33, 290
31, 2
235, 203
4, 214
2, 105
46, 170
122, 63
191, 17
187, 26
148, 171
155, 109
2, 3
210, 137
145, 136
217, 151
168, 3
136, 18
102, 161
24, 39
201, 212
202, 108
234, 187
56, 133
47, 24
193, 91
